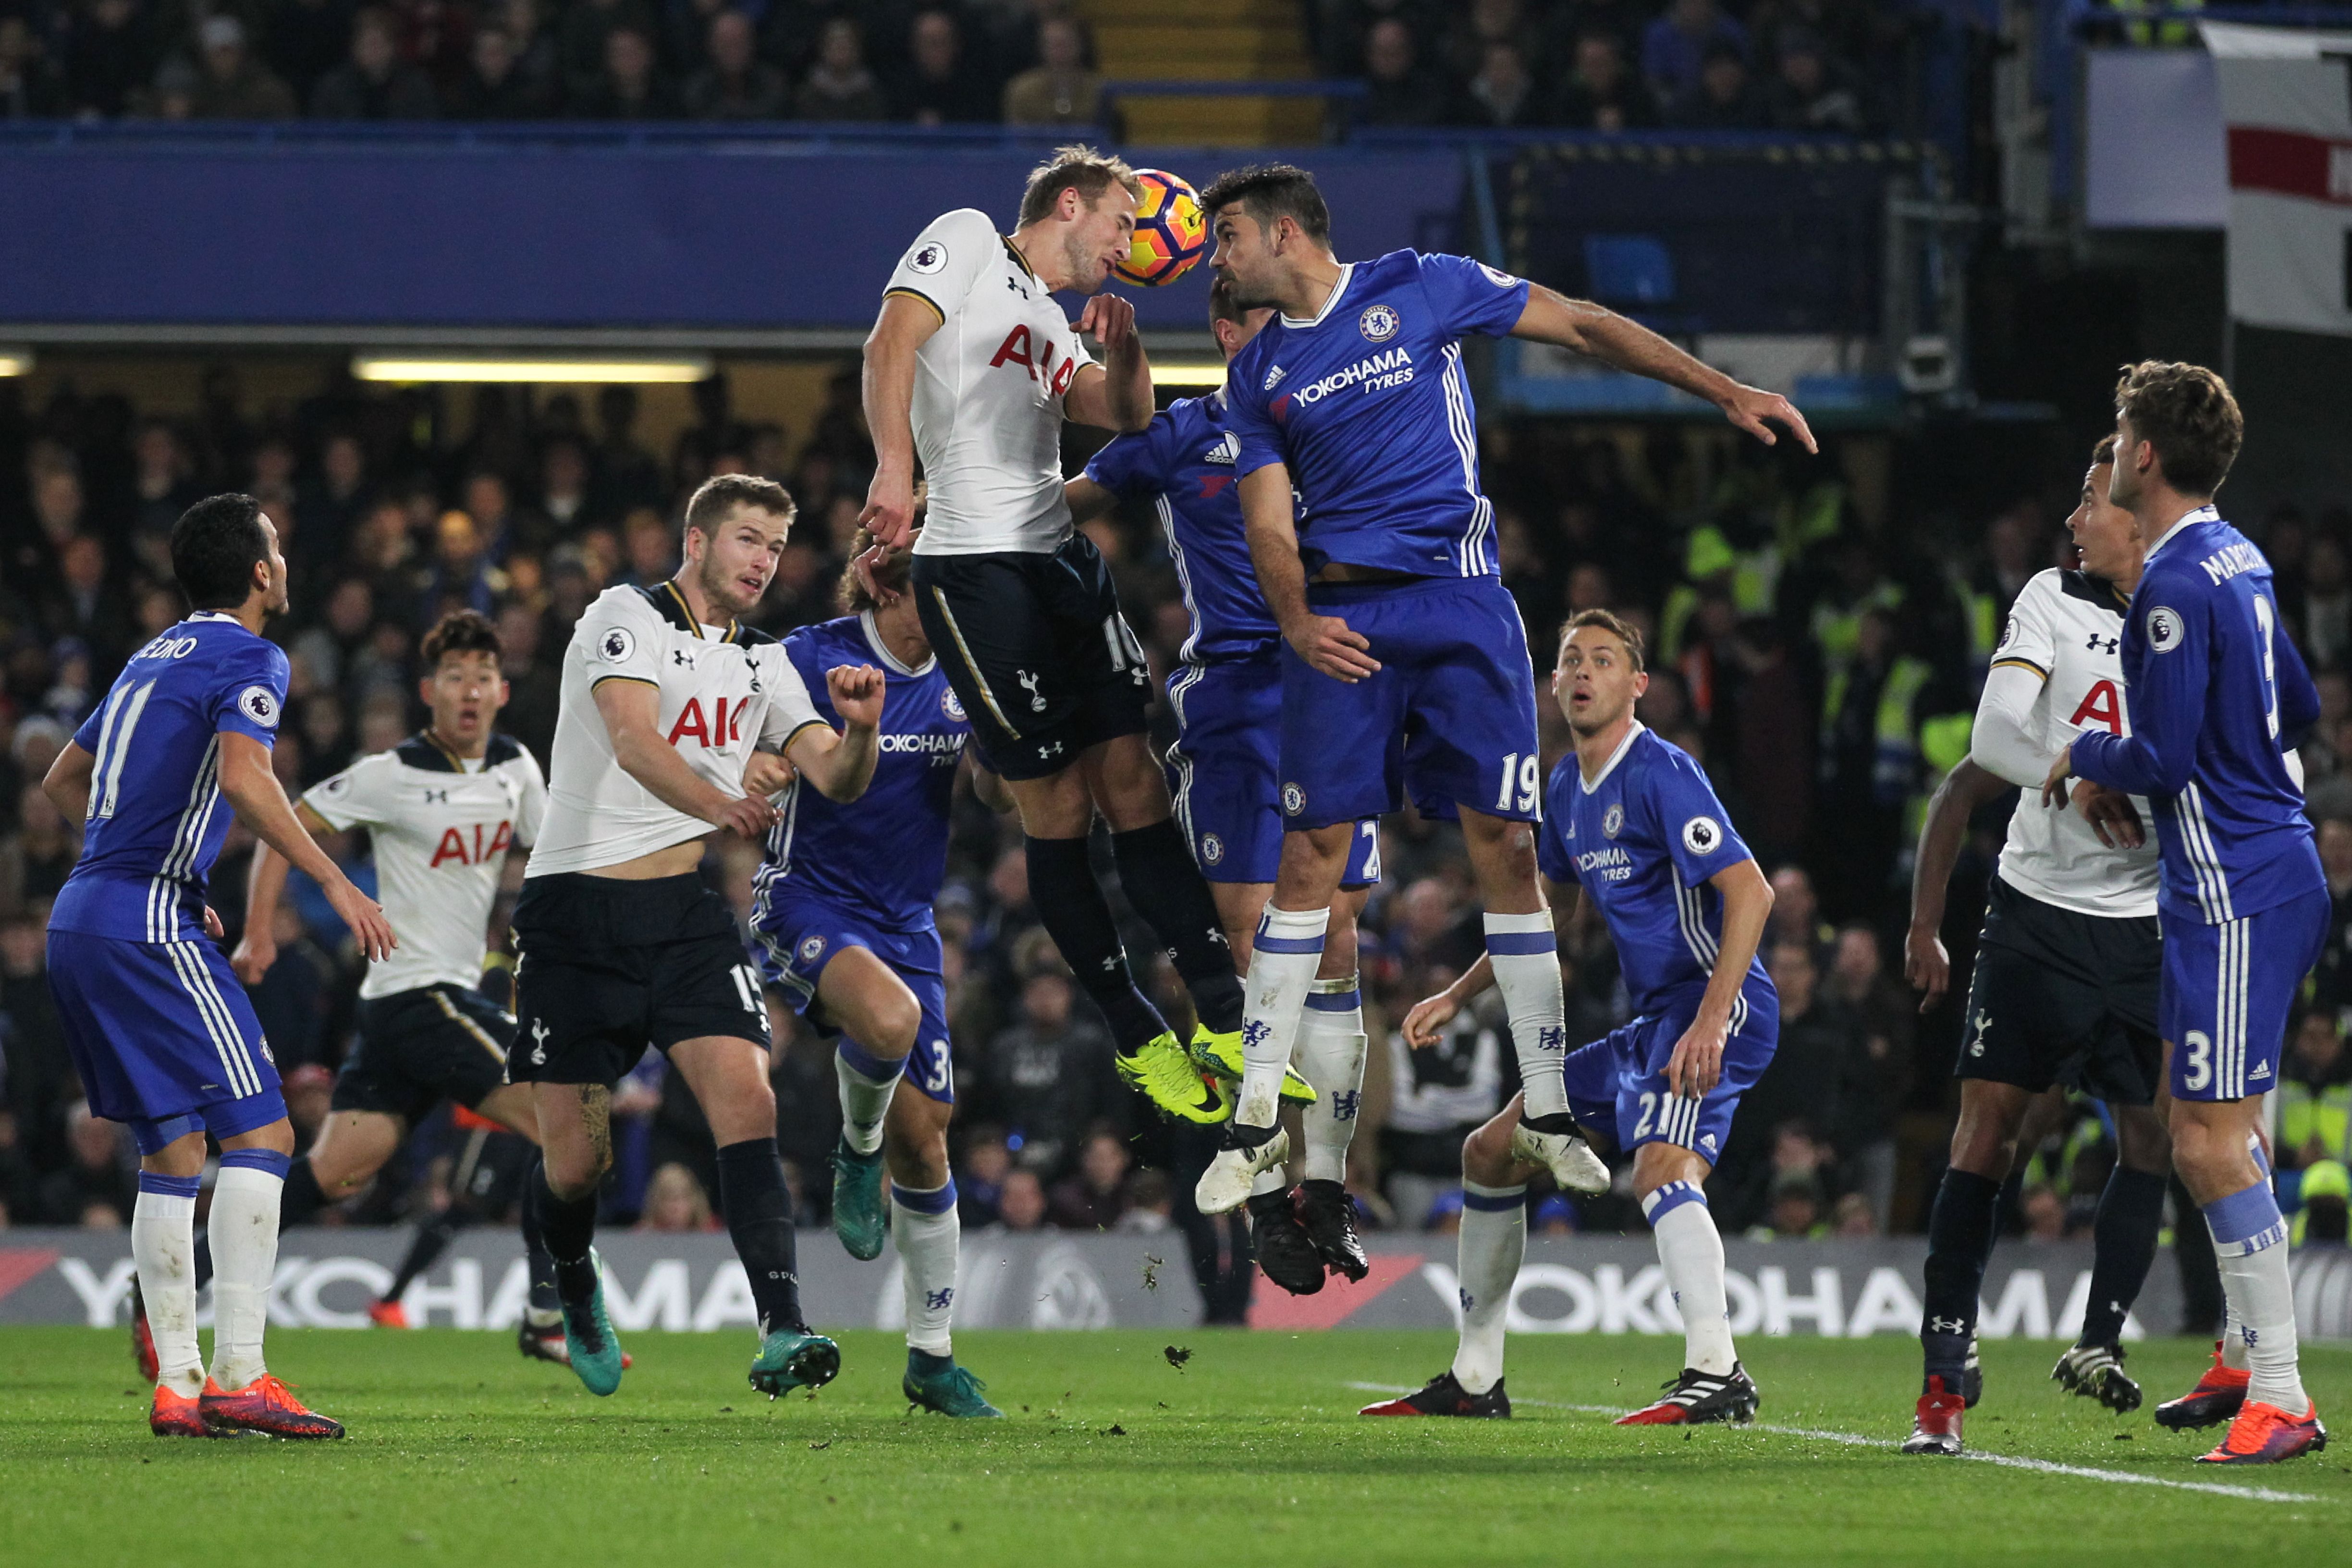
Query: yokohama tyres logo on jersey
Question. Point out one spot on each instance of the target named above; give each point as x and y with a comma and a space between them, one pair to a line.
1035, 355
1394, 368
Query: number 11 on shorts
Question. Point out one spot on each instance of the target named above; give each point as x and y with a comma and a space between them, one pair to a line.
1523, 775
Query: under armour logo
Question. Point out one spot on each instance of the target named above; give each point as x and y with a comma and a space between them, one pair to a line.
940, 1300
683, 659
2097, 644
1344, 1102
1218, 937
1947, 1325
436, 798
1028, 679
1053, 750
539, 1042
1012, 286
1467, 1303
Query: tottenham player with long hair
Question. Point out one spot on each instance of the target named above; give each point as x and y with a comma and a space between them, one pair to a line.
1226, 694
2064, 990
620, 944
162, 1035
443, 810
1632, 822
973, 368
2217, 697
1406, 667
842, 921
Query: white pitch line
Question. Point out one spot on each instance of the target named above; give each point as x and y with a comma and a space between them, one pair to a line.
2008, 1461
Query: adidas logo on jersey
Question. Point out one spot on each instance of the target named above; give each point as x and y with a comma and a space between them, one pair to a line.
1228, 450
1272, 378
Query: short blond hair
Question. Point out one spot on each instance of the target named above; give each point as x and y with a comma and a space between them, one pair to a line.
1608, 621
1081, 168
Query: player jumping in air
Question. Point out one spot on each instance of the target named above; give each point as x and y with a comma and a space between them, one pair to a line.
443, 810
1632, 821
2064, 990
973, 367
1226, 694
842, 917
2215, 692
619, 943
161, 1033
1406, 667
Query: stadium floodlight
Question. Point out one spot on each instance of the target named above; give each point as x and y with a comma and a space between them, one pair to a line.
1189, 372
16, 360
603, 371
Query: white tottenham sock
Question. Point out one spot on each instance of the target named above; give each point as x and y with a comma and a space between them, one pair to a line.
1330, 1057
2250, 1243
1493, 1242
1526, 970
164, 1246
867, 1082
1287, 952
1691, 1252
245, 1197
927, 1235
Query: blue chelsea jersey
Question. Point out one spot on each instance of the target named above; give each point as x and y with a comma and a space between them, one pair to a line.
1641, 842
885, 854
2215, 689
156, 818
1185, 460
1369, 408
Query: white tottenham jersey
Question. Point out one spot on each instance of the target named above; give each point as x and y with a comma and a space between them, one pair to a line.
441, 826
989, 387
725, 693
2068, 626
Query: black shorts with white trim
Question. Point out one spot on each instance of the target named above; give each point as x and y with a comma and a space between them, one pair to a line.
417, 1049
2063, 997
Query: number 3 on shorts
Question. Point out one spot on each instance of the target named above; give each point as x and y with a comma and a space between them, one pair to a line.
1525, 773
2199, 1073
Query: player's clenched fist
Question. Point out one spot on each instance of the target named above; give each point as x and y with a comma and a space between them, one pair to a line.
749, 817
889, 514
857, 693
1429, 1015
1109, 320
1327, 643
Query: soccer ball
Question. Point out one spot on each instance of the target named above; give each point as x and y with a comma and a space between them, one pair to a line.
1171, 232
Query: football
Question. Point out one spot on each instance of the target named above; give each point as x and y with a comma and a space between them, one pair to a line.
1171, 232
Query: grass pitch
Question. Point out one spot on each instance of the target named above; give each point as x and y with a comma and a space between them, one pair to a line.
461, 1453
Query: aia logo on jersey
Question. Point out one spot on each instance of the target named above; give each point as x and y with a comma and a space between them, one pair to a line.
1378, 324
1037, 357
951, 706
2101, 706
453, 845
724, 727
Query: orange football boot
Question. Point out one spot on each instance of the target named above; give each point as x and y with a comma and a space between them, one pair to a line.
2215, 1399
265, 1406
176, 1415
387, 1314
2264, 1434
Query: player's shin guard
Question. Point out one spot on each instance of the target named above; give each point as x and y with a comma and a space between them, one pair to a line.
1959, 1245
867, 1082
246, 1198
927, 1235
1493, 1243
2130, 1210
1157, 873
1691, 1252
1330, 1057
1289, 950
1526, 971
1070, 902
760, 1217
568, 1226
162, 1246
2249, 1241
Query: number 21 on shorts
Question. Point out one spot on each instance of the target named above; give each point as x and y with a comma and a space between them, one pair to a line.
1522, 776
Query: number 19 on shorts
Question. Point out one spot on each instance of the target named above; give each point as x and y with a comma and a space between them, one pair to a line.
1522, 777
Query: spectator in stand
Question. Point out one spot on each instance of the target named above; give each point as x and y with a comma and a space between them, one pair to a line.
631, 87
1048, 1076
35, 859
1600, 93
2327, 625
305, 39
110, 57
675, 1203
375, 83
839, 85
979, 1177
1061, 89
1098, 1195
1875, 1075
1725, 99
96, 1190
1482, 25
1398, 91
582, 37
1675, 47
1021, 1207
1503, 92
2314, 1095
1812, 92
493, 86
231, 84
1797, 1091
736, 84
941, 86
29, 87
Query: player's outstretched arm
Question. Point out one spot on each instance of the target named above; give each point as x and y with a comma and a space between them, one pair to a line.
905, 324
1697, 1065
2167, 705
840, 762
1117, 394
1324, 641
1088, 501
1431, 1014
265, 884
628, 708
67, 784
1599, 333
261, 804
1926, 964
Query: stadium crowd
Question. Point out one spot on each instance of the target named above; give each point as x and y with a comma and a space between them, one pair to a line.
1821, 664
1800, 65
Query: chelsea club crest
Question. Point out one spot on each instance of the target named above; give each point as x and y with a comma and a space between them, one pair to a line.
1378, 323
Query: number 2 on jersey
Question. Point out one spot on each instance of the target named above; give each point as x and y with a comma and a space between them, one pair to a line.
1525, 774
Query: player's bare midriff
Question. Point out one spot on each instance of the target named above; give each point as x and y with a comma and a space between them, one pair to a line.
1345, 571
672, 860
